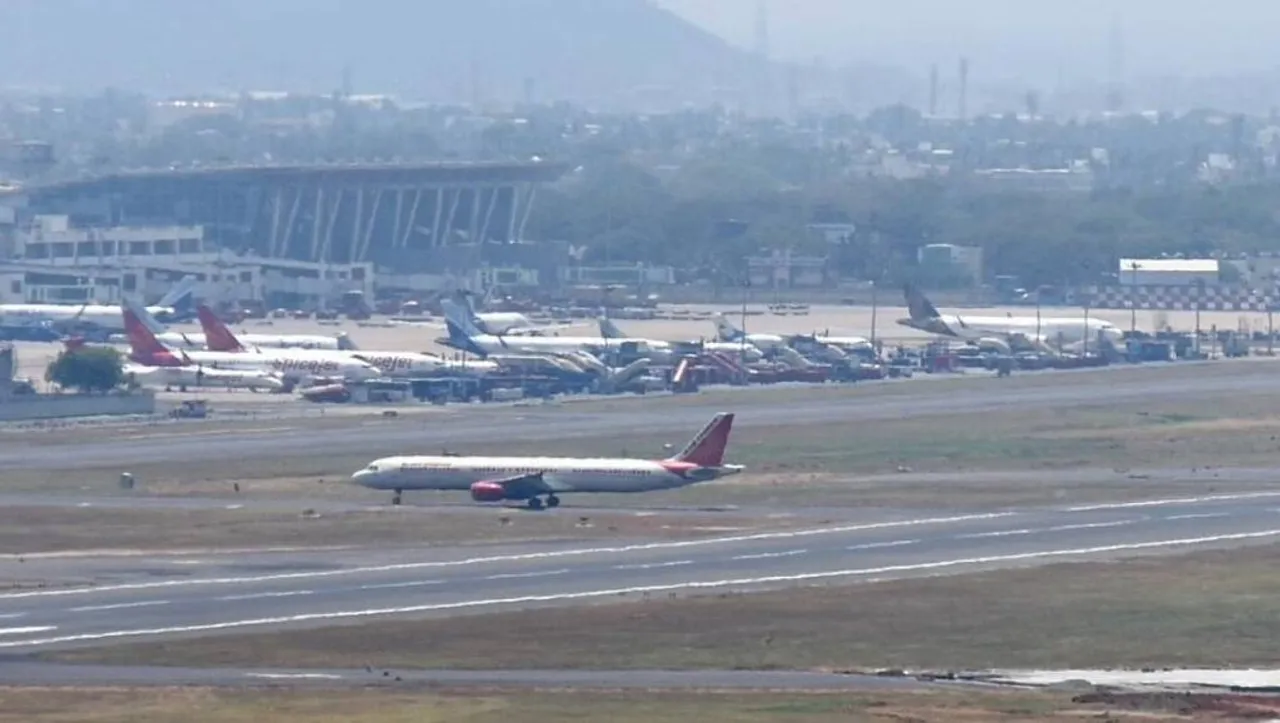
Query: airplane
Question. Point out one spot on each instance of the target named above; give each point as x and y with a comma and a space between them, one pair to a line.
495, 479
195, 340
191, 374
995, 330
293, 365
727, 332
398, 365
465, 336
96, 320
748, 352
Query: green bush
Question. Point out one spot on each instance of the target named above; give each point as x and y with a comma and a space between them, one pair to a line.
89, 369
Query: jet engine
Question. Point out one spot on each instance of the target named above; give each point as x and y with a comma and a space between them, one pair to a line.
488, 492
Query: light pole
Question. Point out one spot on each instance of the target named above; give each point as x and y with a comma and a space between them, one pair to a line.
1133, 295
1086, 324
875, 287
746, 288
1199, 304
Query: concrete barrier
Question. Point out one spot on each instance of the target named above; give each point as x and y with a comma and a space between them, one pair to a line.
62, 406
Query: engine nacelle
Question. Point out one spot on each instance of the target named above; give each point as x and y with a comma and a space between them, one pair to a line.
488, 492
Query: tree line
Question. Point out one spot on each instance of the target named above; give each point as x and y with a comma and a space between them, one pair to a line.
706, 217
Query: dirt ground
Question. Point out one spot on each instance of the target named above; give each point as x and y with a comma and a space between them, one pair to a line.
203, 705
1211, 609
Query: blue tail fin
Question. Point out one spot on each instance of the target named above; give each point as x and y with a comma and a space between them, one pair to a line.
460, 340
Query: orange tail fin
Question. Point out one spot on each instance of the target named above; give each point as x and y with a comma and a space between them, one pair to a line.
707, 449
217, 337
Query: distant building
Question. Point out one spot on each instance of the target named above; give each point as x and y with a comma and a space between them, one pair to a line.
1078, 178
950, 265
1168, 272
783, 269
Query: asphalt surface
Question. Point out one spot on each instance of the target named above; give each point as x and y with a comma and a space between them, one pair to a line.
161, 597
527, 424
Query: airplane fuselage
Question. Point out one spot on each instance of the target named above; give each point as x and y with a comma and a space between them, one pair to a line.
655, 350
92, 315
561, 474
194, 376
1071, 330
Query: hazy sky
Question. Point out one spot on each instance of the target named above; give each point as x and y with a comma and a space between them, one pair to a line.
1008, 38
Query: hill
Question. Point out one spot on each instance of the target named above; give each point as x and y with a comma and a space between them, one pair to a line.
587, 50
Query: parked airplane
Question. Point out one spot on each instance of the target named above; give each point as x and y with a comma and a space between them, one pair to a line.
197, 340
494, 479
191, 374
727, 332
293, 365
465, 336
87, 320
395, 364
748, 352
999, 330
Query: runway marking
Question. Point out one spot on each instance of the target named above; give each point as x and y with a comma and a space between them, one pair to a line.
30, 629
1200, 516
120, 606
1057, 528
768, 555
997, 533
1173, 501
1091, 525
393, 585
260, 595
642, 547
295, 676
882, 545
614, 592
11, 616
653, 565
520, 575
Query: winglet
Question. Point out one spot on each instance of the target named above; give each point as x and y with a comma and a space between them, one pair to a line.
217, 337
707, 449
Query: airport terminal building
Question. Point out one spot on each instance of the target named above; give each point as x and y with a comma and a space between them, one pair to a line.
289, 236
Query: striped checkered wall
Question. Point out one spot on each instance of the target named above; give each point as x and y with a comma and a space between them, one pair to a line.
1180, 298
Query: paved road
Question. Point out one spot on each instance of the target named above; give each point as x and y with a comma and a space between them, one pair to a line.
24, 672
148, 598
535, 424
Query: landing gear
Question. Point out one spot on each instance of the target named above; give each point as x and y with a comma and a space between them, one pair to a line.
536, 503
395, 500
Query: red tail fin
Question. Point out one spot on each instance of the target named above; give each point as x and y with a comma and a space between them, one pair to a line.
217, 337
707, 449
143, 344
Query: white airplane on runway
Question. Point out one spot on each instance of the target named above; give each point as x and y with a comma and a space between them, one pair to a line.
293, 365
1039, 332
465, 336
395, 364
494, 479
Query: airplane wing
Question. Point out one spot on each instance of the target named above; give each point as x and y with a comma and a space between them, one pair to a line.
519, 487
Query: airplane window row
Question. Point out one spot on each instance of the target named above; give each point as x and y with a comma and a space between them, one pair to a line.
526, 470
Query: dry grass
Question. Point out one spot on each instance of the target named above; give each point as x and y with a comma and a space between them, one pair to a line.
202, 705
825, 464
1211, 609
31, 530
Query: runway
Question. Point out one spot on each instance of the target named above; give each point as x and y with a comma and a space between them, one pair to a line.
22, 672
155, 597
758, 408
